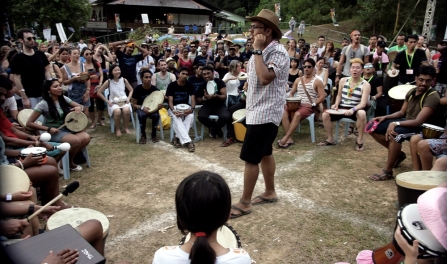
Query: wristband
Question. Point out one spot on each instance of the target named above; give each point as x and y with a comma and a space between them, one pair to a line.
48, 129
8, 197
21, 164
353, 109
30, 209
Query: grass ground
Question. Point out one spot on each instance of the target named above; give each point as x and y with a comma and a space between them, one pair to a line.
328, 209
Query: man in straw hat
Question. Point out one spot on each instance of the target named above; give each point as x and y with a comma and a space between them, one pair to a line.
267, 79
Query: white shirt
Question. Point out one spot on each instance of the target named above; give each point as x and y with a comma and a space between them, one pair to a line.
320, 50
9, 104
143, 63
81, 46
175, 255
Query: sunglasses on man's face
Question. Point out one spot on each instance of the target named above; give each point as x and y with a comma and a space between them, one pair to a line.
307, 66
30, 38
368, 67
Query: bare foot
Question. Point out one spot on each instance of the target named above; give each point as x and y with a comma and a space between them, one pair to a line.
118, 133
127, 131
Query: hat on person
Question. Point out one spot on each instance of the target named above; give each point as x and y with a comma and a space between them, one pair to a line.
348, 40
168, 49
236, 44
169, 59
270, 19
220, 42
130, 44
432, 207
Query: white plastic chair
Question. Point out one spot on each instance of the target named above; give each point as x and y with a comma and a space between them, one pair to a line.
112, 121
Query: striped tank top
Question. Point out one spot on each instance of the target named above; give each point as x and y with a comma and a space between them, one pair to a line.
351, 96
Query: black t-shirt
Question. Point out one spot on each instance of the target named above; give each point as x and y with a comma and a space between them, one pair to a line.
157, 58
224, 62
195, 82
202, 59
375, 82
179, 93
139, 93
246, 55
231, 58
442, 75
215, 101
401, 59
31, 70
128, 65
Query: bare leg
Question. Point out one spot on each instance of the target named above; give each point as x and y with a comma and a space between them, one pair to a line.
93, 118
414, 142
76, 146
126, 116
251, 174
291, 127
381, 139
117, 119
425, 155
327, 123
268, 167
440, 164
394, 149
91, 230
100, 115
361, 123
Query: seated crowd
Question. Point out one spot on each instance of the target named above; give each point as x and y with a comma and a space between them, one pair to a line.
211, 80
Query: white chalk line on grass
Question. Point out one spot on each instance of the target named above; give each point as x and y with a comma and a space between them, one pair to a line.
235, 182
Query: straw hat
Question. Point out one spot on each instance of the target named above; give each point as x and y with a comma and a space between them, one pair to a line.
270, 19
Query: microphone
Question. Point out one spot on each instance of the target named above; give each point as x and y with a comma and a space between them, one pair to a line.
68, 189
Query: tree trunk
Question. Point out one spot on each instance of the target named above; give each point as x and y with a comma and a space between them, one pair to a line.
397, 17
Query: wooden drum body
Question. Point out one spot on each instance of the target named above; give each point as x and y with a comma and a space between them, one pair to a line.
293, 104
414, 183
430, 131
239, 129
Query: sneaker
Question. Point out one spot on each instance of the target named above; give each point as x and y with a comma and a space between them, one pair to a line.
61, 171
78, 168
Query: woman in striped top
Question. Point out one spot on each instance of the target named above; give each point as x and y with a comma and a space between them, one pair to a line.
352, 99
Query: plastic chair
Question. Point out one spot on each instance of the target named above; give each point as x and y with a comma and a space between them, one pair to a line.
328, 97
186, 29
215, 118
195, 29
112, 121
66, 162
311, 120
138, 130
337, 126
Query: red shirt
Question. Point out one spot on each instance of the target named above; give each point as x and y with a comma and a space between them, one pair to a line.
6, 125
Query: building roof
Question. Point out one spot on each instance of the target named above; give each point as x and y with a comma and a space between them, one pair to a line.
186, 4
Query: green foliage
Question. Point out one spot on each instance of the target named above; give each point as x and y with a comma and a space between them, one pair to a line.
71, 13
240, 11
141, 32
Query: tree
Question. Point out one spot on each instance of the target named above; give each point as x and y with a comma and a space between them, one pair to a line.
40, 14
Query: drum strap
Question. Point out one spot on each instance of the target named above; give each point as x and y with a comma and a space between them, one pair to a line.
305, 90
427, 93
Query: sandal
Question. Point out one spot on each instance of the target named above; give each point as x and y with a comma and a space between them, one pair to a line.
326, 143
382, 177
155, 140
143, 139
92, 126
191, 147
176, 143
227, 143
358, 146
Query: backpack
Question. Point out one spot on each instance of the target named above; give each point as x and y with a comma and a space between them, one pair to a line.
348, 49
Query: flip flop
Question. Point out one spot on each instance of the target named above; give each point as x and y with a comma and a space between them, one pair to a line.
326, 143
283, 146
155, 140
264, 200
240, 210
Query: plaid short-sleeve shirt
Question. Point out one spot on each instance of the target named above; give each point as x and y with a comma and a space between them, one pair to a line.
265, 104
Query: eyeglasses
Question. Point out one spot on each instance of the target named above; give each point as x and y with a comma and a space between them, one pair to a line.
87, 54
353, 55
30, 38
307, 66
254, 27
193, 47
248, 45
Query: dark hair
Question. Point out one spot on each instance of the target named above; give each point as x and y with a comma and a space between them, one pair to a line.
22, 31
321, 37
203, 204
374, 36
207, 68
54, 113
310, 60
210, 64
94, 62
5, 82
62, 50
301, 39
142, 72
402, 35
11, 55
295, 60
427, 70
415, 37
111, 68
183, 69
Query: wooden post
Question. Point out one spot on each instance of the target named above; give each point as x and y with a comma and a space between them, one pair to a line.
397, 17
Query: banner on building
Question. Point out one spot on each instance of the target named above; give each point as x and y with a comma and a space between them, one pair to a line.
333, 17
278, 10
145, 18
118, 23
47, 34
61, 32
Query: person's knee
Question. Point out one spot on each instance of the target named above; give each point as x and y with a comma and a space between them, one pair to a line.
297, 115
361, 114
423, 145
92, 228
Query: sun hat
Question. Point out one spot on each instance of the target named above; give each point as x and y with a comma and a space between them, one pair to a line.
432, 206
270, 19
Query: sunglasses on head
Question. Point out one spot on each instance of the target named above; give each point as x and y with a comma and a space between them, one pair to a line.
30, 38
368, 67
